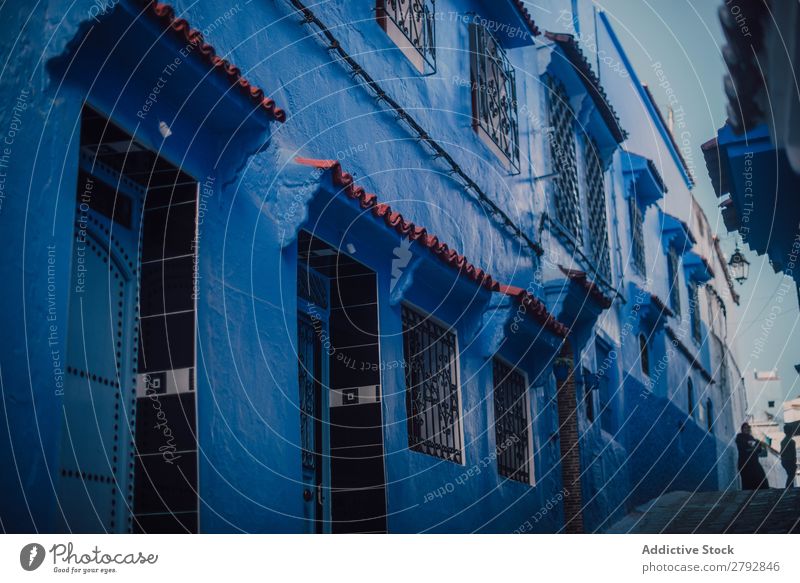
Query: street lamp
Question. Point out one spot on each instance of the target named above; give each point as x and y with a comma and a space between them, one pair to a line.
740, 266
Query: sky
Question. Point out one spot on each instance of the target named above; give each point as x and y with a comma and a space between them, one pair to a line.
687, 38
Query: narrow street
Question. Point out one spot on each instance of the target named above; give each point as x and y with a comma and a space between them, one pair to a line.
774, 511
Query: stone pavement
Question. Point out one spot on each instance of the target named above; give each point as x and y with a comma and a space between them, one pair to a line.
765, 511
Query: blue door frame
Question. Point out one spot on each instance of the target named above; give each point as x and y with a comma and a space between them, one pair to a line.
313, 374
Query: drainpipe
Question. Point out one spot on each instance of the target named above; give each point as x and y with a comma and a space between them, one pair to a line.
567, 400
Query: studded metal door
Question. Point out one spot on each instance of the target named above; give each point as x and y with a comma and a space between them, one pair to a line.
95, 486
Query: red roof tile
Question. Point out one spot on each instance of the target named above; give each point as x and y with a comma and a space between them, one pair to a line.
164, 14
526, 16
661, 306
591, 287
441, 250
590, 80
536, 309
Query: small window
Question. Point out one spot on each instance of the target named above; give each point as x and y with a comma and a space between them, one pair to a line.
494, 96
674, 280
432, 394
690, 397
694, 311
411, 26
644, 354
563, 159
637, 234
512, 423
770, 404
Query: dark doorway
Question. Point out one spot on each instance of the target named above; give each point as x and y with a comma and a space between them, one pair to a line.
131, 341
346, 328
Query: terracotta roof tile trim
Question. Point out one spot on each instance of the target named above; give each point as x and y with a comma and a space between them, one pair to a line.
441, 250
592, 289
164, 15
526, 16
578, 59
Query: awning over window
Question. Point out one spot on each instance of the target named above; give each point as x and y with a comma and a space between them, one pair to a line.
652, 311
509, 22
643, 177
676, 234
192, 42
570, 65
697, 268
758, 191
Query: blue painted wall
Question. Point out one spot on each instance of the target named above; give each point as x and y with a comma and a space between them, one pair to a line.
256, 201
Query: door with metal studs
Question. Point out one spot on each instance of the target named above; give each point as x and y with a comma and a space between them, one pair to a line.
95, 483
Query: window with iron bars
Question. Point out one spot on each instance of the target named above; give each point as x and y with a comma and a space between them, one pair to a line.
694, 310
432, 395
512, 422
411, 25
637, 234
674, 281
494, 96
562, 151
596, 203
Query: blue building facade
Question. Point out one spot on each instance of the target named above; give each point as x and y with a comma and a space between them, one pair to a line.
349, 267
754, 160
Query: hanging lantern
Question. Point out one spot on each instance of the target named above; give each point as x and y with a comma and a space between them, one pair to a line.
740, 266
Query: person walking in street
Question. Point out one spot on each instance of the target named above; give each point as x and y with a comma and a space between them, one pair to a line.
753, 476
789, 455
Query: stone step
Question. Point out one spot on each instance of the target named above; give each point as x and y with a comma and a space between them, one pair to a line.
763, 511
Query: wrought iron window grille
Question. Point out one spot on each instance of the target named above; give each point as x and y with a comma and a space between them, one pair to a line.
326, 36
563, 159
494, 96
596, 202
411, 24
432, 392
637, 234
512, 422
